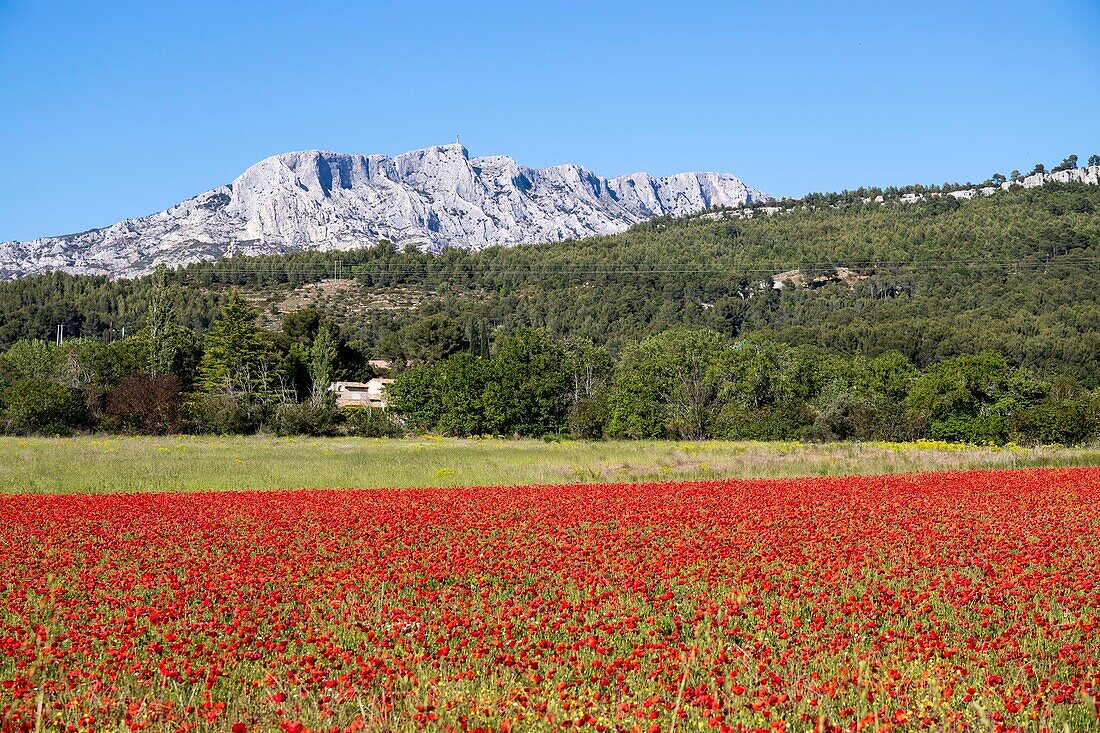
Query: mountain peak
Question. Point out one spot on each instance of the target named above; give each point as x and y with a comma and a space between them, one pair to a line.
431, 198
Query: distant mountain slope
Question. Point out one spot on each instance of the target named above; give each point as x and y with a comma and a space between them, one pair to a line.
435, 197
1016, 272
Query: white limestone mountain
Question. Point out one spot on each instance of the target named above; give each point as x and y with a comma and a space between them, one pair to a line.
431, 198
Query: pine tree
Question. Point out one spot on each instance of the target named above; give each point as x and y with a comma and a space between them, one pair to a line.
236, 357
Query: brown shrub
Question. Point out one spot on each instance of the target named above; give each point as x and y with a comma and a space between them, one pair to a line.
145, 403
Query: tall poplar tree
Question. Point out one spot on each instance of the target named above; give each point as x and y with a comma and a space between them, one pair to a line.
159, 321
322, 364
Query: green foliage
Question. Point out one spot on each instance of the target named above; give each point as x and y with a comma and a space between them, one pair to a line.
94, 306
370, 423
431, 338
159, 331
769, 389
302, 326
934, 280
1068, 163
225, 413
1013, 273
1067, 415
105, 365
293, 373
314, 354
588, 418
36, 405
970, 398
458, 396
955, 319
588, 366
303, 418
447, 397
415, 394
237, 351
322, 365
522, 389
529, 385
27, 359
870, 405
668, 386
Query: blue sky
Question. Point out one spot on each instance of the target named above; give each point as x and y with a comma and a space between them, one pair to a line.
120, 109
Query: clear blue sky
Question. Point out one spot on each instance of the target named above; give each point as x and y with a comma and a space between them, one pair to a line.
110, 110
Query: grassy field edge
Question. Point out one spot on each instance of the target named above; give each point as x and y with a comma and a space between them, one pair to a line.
114, 464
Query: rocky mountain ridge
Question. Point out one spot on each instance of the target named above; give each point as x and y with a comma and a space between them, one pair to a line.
1088, 175
430, 198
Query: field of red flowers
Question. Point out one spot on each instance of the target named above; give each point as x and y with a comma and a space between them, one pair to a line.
937, 601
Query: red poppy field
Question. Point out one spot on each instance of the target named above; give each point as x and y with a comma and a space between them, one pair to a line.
942, 601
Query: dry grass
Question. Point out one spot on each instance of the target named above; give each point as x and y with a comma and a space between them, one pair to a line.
184, 463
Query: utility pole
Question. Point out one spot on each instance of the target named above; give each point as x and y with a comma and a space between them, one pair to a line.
60, 334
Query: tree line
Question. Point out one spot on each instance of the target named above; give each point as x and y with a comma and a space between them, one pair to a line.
695, 383
1017, 273
228, 346
233, 377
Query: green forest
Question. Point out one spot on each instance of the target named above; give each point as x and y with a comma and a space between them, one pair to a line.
837, 317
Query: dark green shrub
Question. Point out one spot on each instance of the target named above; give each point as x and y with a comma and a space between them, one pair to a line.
302, 418
370, 423
588, 418
226, 413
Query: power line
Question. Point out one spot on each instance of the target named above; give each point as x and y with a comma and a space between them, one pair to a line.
627, 269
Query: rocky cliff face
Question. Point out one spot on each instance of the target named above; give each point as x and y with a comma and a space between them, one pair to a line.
430, 198
1089, 176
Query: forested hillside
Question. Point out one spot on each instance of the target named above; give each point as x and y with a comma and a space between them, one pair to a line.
1017, 273
832, 317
